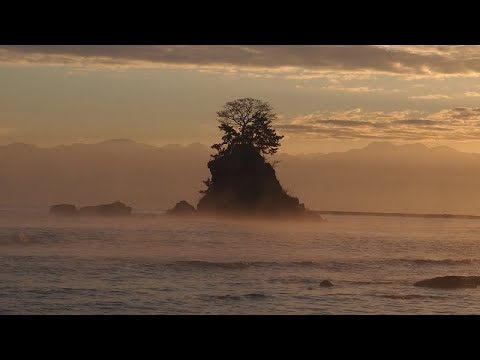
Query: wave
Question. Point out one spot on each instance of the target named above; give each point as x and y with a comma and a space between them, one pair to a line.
232, 297
318, 280
326, 265
222, 265
295, 280
379, 282
246, 264
409, 296
450, 262
20, 238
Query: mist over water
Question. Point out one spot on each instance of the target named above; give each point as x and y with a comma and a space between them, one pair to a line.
166, 265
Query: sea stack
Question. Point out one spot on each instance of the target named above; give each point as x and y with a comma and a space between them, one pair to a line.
243, 182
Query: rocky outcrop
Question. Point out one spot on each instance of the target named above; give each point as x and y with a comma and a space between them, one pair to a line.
182, 208
450, 282
326, 283
243, 182
115, 209
63, 210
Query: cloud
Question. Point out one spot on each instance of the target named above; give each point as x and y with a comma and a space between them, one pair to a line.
344, 122
297, 61
415, 122
341, 88
472, 94
430, 97
458, 113
448, 124
358, 89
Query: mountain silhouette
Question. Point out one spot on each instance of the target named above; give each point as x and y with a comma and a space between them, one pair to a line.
379, 177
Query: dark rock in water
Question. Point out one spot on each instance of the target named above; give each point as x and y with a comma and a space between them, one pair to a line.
115, 209
326, 283
450, 282
63, 210
182, 208
243, 182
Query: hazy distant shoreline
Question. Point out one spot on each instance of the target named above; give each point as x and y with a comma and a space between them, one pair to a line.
368, 213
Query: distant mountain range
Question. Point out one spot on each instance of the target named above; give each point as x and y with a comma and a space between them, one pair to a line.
379, 177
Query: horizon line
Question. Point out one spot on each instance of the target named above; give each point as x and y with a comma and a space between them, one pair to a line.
185, 145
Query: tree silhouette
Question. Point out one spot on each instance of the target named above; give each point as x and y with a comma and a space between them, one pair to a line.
247, 121
242, 180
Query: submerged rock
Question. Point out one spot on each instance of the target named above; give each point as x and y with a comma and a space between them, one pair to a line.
450, 282
115, 209
63, 210
182, 208
326, 283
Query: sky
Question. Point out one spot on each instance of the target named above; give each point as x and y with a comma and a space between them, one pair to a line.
328, 98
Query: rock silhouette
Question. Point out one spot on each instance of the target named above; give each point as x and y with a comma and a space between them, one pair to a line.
450, 282
243, 182
326, 283
182, 208
114, 209
63, 210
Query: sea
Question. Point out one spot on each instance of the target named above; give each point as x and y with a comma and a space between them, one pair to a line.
166, 265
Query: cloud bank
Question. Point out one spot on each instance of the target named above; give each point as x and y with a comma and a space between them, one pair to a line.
458, 124
304, 61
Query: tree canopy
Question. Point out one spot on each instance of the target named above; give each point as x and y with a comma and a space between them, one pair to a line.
247, 121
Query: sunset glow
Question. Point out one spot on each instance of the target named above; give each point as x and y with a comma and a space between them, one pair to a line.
239, 179
329, 98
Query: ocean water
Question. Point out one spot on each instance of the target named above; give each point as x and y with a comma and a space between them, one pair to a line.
165, 265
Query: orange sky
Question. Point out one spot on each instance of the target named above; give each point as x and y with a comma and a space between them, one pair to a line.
329, 98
